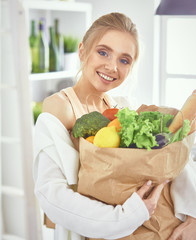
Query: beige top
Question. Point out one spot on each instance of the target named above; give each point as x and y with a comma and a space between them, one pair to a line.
78, 109
76, 104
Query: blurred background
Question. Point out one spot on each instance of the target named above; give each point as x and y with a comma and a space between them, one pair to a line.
165, 75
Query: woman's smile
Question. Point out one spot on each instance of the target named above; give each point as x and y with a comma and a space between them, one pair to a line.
106, 78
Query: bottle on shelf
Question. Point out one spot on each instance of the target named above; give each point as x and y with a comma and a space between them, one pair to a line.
32, 39
54, 64
60, 43
41, 50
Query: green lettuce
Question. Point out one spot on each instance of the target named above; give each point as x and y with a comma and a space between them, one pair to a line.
143, 137
140, 130
182, 132
128, 120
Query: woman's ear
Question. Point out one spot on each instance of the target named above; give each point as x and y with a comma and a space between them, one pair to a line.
80, 50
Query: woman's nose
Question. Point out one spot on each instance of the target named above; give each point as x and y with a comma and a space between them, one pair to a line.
111, 65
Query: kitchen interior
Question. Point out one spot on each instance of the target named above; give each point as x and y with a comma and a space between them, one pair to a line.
165, 75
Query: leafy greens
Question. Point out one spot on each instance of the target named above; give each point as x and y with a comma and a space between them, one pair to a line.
141, 130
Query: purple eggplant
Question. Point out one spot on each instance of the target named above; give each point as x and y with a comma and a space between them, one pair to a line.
162, 139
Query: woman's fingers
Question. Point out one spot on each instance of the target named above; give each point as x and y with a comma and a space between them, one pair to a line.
144, 189
155, 194
152, 199
186, 230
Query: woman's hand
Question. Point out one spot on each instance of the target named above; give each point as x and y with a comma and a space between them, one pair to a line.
151, 200
185, 231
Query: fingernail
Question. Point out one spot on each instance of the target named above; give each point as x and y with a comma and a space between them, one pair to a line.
149, 183
167, 181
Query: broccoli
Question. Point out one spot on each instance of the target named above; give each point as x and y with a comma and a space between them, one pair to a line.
89, 124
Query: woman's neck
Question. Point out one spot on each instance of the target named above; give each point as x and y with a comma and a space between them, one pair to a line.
89, 97
84, 89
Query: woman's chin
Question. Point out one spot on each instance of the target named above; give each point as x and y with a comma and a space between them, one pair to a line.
105, 85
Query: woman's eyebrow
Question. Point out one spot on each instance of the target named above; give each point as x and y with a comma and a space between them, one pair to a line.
127, 55
105, 46
111, 50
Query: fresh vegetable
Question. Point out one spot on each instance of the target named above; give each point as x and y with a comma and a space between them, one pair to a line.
160, 121
110, 113
182, 132
89, 124
162, 139
90, 139
115, 123
148, 129
141, 130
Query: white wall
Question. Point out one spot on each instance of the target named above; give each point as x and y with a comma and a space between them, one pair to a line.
142, 14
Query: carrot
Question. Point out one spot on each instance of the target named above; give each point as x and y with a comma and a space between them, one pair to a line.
115, 123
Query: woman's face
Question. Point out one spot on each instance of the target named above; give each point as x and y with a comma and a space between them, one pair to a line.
110, 60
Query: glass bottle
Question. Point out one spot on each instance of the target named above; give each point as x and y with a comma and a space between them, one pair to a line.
59, 43
32, 40
53, 53
41, 50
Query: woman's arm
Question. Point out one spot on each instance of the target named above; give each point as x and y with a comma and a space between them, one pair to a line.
80, 214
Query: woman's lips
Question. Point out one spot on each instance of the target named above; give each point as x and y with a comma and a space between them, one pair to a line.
105, 77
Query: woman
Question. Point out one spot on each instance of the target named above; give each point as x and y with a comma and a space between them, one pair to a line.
108, 52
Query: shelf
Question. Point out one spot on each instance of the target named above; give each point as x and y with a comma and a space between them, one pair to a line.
12, 191
9, 140
52, 75
7, 86
11, 237
59, 6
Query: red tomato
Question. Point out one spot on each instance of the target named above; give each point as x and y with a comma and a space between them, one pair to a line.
110, 113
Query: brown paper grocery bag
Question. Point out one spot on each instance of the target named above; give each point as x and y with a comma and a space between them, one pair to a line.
111, 175
48, 223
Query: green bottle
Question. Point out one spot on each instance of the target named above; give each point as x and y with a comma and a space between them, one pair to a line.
53, 53
41, 50
57, 34
59, 43
32, 39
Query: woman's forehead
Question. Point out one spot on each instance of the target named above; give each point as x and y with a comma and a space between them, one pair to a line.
122, 42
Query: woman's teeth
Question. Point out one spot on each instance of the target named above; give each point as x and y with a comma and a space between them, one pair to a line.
106, 77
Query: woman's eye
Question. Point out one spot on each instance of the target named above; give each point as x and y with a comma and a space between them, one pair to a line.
124, 61
102, 53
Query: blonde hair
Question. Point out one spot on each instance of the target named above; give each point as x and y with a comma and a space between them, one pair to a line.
112, 21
